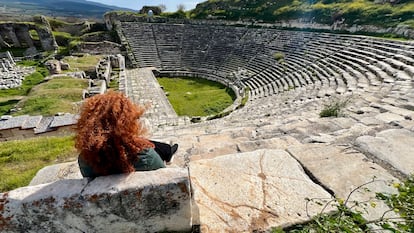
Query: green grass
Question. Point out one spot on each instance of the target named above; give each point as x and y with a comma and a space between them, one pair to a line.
85, 63
34, 35
56, 95
20, 160
402, 203
10, 97
16, 52
63, 38
196, 97
40, 68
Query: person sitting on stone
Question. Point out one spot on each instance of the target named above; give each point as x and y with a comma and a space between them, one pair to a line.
111, 140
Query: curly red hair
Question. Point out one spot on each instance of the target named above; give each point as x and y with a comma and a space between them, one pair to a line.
109, 135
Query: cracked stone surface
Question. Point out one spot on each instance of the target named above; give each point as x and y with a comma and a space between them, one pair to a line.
394, 146
342, 169
252, 191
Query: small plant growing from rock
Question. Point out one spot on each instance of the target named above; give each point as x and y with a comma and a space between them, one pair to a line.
334, 108
402, 203
245, 97
280, 57
347, 218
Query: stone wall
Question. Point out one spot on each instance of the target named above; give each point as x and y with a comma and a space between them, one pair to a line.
104, 47
152, 201
18, 35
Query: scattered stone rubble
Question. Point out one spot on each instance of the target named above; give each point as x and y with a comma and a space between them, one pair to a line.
11, 75
105, 74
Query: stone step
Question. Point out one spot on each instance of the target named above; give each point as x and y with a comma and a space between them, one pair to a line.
348, 174
393, 146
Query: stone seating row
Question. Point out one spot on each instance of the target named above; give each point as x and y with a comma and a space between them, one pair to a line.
216, 50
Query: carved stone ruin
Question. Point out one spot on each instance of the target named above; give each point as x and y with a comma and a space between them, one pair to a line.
18, 35
11, 76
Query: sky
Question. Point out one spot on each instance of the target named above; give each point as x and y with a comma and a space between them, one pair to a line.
137, 4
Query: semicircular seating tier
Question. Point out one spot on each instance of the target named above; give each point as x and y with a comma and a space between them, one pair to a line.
271, 61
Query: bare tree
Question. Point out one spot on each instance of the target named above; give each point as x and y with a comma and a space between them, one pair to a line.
180, 7
162, 7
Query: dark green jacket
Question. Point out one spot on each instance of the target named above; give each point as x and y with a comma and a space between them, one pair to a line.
148, 160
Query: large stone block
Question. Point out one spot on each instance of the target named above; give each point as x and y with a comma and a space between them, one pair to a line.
61, 171
252, 191
150, 201
349, 175
394, 146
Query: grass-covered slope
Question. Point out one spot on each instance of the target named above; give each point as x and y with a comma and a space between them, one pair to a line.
371, 12
20, 160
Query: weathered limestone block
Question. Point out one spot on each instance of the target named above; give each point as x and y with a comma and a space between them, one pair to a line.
150, 201
54, 66
252, 191
52, 173
394, 146
64, 65
342, 171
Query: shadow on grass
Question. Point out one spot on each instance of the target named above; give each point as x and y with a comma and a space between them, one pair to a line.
5, 106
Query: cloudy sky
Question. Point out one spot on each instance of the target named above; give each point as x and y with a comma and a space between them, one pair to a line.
137, 4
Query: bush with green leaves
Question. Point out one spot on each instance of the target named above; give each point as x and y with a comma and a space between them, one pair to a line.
279, 57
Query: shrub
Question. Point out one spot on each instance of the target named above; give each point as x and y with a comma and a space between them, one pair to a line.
279, 57
333, 109
245, 97
402, 203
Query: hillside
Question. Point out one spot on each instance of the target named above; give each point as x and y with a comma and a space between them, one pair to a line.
67, 8
374, 12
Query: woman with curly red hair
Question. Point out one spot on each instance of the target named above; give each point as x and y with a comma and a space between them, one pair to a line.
110, 138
